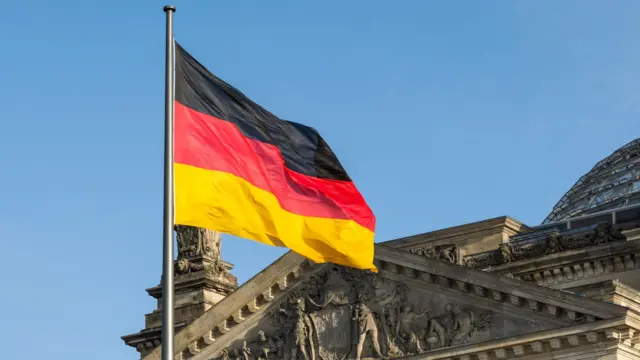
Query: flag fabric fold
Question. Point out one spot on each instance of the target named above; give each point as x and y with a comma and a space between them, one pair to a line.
241, 170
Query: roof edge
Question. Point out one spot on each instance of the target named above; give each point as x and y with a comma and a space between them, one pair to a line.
512, 226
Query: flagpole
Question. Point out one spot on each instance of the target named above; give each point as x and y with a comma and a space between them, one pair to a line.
167, 231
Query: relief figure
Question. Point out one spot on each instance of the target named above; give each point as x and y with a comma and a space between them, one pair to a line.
605, 233
302, 331
554, 243
441, 328
406, 325
267, 349
366, 326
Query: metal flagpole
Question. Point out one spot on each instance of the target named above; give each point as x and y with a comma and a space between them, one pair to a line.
167, 233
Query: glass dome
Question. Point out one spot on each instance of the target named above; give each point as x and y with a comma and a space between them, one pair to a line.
613, 182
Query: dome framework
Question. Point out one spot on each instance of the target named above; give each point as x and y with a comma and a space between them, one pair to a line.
612, 183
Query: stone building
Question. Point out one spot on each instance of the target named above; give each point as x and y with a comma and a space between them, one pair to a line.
493, 289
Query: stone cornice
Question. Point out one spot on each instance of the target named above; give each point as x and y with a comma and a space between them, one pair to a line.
575, 267
148, 339
494, 286
615, 292
612, 331
196, 280
514, 226
538, 246
568, 257
628, 293
461, 232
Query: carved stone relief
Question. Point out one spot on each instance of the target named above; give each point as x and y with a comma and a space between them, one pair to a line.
550, 243
448, 253
195, 242
350, 314
605, 233
554, 243
506, 253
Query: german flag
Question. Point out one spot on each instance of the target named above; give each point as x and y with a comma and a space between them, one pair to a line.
240, 170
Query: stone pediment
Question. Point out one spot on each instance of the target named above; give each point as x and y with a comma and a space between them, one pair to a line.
413, 305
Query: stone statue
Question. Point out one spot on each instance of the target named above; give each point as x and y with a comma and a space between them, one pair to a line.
195, 241
506, 255
366, 325
554, 243
184, 266
449, 254
472, 262
604, 233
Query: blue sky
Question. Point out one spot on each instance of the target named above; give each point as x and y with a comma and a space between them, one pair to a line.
442, 113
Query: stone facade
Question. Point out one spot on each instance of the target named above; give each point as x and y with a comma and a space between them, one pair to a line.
495, 289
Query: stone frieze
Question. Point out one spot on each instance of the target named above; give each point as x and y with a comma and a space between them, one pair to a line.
546, 244
348, 314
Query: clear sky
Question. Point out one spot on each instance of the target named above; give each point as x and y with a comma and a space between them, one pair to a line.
442, 113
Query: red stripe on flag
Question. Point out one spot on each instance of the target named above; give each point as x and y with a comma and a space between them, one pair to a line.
207, 142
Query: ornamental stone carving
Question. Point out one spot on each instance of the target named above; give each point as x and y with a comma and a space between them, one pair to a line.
605, 233
506, 253
405, 325
195, 241
303, 330
196, 244
554, 243
546, 244
448, 253
268, 348
344, 313
332, 288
